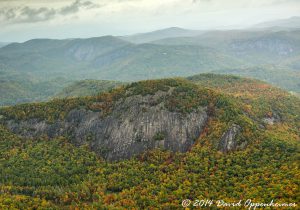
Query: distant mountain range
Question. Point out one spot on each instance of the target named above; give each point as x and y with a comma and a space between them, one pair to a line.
293, 22
40, 68
175, 32
161, 34
2, 44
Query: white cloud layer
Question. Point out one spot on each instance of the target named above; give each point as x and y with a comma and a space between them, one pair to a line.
25, 19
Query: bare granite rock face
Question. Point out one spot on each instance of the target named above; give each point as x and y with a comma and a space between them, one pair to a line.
270, 120
134, 125
228, 140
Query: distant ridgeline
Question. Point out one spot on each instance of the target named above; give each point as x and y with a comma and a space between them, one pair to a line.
150, 144
39, 69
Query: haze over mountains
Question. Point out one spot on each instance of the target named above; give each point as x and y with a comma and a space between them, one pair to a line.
39, 68
161, 34
293, 22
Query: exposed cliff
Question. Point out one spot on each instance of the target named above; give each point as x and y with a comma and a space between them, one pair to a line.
135, 123
55, 174
228, 141
168, 114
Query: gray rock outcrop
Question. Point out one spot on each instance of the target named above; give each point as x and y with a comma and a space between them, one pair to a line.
137, 123
228, 140
275, 118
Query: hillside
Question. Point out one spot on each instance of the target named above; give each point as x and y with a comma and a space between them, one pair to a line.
257, 47
21, 88
150, 61
235, 138
266, 55
82, 59
52, 58
39, 69
272, 56
283, 77
92, 87
87, 88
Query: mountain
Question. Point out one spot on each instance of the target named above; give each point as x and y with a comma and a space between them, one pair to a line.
160, 34
279, 76
175, 32
2, 44
212, 38
52, 58
39, 69
26, 87
285, 78
290, 23
87, 88
245, 44
265, 54
226, 130
148, 61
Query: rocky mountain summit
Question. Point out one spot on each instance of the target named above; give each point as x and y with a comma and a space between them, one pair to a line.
133, 127
165, 138
166, 114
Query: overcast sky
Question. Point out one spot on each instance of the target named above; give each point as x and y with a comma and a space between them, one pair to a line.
21, 20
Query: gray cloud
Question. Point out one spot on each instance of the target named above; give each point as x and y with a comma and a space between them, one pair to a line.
8, 14
28, 14
75, 6
31, 14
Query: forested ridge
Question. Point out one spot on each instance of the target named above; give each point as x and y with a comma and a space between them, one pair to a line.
44, 173
40, 69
